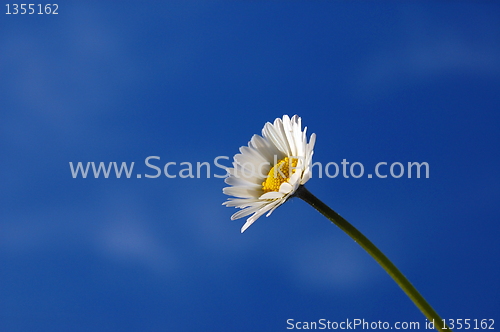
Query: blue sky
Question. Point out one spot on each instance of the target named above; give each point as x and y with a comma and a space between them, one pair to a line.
189, 81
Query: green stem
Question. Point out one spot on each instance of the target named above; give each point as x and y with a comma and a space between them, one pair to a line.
388, 266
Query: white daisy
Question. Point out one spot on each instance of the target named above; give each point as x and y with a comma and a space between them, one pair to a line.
270, 169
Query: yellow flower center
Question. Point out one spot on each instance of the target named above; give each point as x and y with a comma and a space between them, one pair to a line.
279, 173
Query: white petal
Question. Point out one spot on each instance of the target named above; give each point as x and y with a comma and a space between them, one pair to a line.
266, 148
299, 141
242, 192
275, 137
253, 154
312, 141
247, 224
242, 202
271, 195
285, 188
288, 132
245, 212
256, 216
305, 177
279, 128
295, 178
236, 181
247, 174
275, 207
250, 164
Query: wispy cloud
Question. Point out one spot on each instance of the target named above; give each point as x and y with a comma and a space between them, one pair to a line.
426, 52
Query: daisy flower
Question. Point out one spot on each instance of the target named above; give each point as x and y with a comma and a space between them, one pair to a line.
273, 168
270, 169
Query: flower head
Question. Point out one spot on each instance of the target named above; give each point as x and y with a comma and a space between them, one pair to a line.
270, 169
